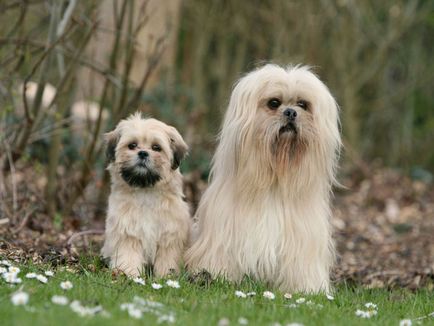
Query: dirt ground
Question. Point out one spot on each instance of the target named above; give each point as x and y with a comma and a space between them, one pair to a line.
384, 228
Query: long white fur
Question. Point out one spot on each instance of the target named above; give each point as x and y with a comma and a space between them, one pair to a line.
146, 226
268, 219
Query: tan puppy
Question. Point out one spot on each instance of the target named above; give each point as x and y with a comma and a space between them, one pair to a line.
266, 212
148, 221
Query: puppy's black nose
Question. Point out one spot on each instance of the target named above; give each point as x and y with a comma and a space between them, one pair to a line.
143, 154
290, 113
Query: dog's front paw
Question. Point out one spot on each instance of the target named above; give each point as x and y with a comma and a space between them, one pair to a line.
164, 270
202, 278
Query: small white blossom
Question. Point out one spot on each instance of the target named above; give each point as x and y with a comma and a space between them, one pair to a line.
67, 285
14, 270
139, 280
371, 305
41, 278
294, 324
126, 306
269, 295
330, 297
11, 278
3, 269
173, 284
251, 294
31, 275
240, 294
60, 300
135, 313
81, 310
49, 273
166, 318
309, 303
20, 298
365, 314
300, 300
223, 322
292, 305
243, 321
405, 322
287, 296
156, 286
5, 263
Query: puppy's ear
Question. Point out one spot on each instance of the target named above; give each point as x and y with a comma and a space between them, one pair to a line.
178, 146
111, 138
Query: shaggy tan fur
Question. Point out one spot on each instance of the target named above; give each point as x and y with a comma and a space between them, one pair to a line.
148, 221
266, 212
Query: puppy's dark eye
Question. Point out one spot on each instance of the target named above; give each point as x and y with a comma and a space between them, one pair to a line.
156, 148
132, 145
274, 103
303, 104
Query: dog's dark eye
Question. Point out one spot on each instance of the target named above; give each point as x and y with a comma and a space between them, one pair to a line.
132, 145
303, 104
156, 148
274, 103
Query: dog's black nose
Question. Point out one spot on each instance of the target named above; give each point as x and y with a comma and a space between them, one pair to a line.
143, 154
290, 113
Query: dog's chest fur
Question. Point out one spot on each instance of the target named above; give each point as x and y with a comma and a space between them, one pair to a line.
143, 215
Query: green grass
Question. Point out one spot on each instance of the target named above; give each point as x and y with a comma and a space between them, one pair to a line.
193, 304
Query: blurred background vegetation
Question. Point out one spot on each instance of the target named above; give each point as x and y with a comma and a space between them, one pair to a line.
70, 69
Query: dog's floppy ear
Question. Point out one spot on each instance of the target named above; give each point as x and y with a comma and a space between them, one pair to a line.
111, 138
178, 146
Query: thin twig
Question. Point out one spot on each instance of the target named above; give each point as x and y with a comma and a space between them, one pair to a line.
73, 237
24, 221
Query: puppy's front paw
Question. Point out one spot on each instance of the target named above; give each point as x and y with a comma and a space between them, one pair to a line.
163, 269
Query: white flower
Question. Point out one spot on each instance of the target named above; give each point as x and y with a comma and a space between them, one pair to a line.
365, 314
287, 296
269, 295
41, 278
77, 307
405, 322
67, 285
292, 305
5, 263
251, 294
134, 312
49, 273
240, 294
300, 300
371, 305
14, 270
139, 280
20, 298
330, 297
156, 286
223, 322
294, 324
173, 284
166, 318
243, 321
309, 303
60, 300
126, 306
31, 275
3, 270
11, 278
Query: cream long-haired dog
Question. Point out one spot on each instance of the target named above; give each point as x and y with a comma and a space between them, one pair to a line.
266, 212
148, 222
